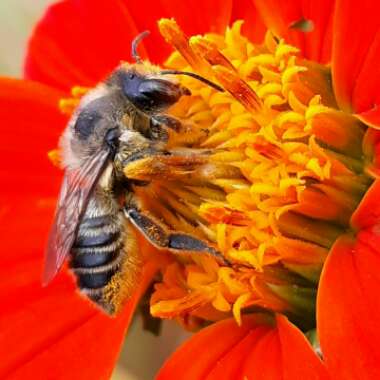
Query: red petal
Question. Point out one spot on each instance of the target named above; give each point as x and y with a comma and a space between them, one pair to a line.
349, 309
300, 362
30, 124
230, 366
279, 16
355, 57
256, 350
253, 27
195, 17
371, 117
197, 357
264, 362
367, 213
99, 34
284, 354
79, 42
54, 330
25, 224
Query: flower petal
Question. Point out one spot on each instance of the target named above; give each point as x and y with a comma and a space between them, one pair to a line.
367, 213
79, 42
370, 117
300, 360
30, 124
54, 330
253, 27
99, 34
206, 16
230, 366
281, 17
193, 361
257, 350
285, 354
349, 308
355, 56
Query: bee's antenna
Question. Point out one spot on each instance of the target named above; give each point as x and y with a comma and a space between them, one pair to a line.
135, 44
196, 76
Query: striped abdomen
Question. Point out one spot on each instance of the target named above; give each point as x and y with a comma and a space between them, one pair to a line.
98, 251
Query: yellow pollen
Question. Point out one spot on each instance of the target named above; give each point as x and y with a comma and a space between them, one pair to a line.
282, 180
175, 36
68, 105
55, 158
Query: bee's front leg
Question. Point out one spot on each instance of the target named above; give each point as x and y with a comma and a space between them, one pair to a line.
176, 242
166, 121
159, 125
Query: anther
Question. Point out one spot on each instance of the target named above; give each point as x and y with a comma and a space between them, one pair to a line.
209, 52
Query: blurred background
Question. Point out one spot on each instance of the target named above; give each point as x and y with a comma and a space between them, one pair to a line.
143, 353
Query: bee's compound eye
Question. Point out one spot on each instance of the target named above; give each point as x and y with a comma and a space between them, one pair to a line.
150, 94
130, 83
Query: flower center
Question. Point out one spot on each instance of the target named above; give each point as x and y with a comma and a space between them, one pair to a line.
283, 179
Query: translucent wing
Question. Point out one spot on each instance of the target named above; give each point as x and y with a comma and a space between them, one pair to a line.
73, 198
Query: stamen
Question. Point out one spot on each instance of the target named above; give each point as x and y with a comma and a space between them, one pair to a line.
55, 157
79, 91
209, 51
67, 106
238, 88
291, 151
176, 37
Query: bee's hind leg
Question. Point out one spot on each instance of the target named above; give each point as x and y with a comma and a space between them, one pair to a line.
162, 238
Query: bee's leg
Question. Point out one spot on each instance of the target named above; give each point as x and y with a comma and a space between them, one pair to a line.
159, 124
167, 121
162, 238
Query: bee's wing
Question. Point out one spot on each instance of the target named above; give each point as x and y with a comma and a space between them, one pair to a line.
73, 198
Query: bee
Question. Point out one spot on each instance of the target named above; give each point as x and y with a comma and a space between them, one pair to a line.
120, 121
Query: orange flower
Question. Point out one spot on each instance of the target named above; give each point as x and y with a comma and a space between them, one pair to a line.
298, 124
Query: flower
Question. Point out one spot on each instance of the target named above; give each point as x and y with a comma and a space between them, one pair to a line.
290, 135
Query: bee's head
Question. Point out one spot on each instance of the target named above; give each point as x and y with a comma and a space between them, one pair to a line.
148, 87
150, 91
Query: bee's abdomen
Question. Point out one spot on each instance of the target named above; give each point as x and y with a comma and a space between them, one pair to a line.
97, 252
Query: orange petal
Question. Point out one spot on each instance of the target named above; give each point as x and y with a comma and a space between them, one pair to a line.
30, 125
206, 16
297, 354
285, 354
370, 117
257, 350
368, 212
197, 357
84, 49
99, 34
355, 56
230, 366
253, 27
264, 361
54, 330
282, 16
349, 309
